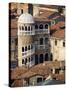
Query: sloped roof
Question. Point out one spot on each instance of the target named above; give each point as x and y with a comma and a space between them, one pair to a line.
59, 34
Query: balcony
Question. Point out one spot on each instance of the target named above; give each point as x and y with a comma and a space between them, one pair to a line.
26, 32
27, 53
42, 31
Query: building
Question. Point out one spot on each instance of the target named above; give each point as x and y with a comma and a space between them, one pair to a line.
33, 40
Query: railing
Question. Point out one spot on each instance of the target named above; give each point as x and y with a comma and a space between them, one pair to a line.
27, 53
26, 32
41, 31
40, 46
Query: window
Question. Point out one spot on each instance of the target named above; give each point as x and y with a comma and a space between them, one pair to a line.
46, 26
36, 59
22, 28
29, 28
25, 61
22, 61
36, 26
16, 41
25, 28
26, 48
51, 57
63, 44
39, 79
29, 59
41, 58
21, 10
46, 57
55, 42
29, 47
41, 26
41, 41
46, 40
22, 49
53, 22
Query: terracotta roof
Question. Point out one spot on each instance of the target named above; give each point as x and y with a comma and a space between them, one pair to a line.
42, 69
59, 34
17, 83
17, 72
50, 6
40, 19
45, 13
58, 25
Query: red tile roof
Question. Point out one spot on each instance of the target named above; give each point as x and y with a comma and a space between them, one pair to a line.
59, 34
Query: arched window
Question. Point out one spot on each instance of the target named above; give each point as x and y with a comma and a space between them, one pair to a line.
41, 58
22, 28
29, 59
25, 28
63, 44
51, 57
46, 57
22, 61
29, 47
41, 26
25, 61
36, 59
36, 26
22, 49
41, 41
46, 26
29, 28
26, 48
46, 40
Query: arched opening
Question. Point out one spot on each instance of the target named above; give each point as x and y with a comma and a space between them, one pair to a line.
29, 28
51, 57
22, 61
22, 49
41, 26
29, 47
36, 59
46, 26
25, 28
26, 48
41, 41
46, 40
25, 61
22, 28
41, 58
29, 59
36, 26
46, 57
